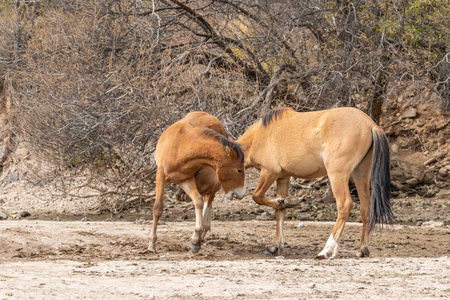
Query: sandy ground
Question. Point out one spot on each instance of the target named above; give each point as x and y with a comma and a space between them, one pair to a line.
108, 260
47, 252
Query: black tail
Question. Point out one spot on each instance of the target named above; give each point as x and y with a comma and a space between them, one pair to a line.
380, 180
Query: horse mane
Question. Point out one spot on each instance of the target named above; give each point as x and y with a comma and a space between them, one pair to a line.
225, 142
273, 115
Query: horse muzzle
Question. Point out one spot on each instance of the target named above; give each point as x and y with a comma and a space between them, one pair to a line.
239, 193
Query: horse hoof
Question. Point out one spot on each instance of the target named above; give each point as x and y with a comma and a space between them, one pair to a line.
281, 204
363, 253
321, 257
271, 250
291, 201
195, 248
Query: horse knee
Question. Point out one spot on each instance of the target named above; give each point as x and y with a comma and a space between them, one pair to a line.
258, 199
158, 208
344, 207
364, 214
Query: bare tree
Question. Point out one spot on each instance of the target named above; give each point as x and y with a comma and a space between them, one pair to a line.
93, 84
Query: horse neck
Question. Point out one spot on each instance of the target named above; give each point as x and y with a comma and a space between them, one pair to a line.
246, 142
210, 153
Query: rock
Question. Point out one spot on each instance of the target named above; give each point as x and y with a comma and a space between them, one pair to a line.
430, 193
304, 216
410, 113
395, 148
442, 178
442, 124
443, 194
3, 216
265, 216
147, 211
443, 172
398, 174
24, 214
182, 218
13, 177
413, 181
319, 216
428, 177
291, 214
433, 224
300, 225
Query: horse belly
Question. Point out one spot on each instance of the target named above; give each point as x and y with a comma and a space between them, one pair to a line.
303, 166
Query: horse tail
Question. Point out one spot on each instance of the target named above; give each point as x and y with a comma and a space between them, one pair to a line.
380, 181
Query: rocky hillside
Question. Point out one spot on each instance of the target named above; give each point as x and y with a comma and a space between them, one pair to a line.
420, 147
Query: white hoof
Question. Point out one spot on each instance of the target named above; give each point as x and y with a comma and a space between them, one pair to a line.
330, 250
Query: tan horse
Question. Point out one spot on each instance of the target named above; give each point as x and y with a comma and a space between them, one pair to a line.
340, 143
185, 151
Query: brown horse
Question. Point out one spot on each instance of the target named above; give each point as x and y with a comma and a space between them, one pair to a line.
185, 151
205, 178
340, 143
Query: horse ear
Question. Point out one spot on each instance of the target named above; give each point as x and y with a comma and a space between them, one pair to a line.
228, 150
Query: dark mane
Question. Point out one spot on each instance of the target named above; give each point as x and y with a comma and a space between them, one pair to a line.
225, 142
273, 116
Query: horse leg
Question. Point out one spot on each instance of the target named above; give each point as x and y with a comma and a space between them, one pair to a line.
157, 207
341, 191
190, 188
207, 214
266, 178
361, 177
282, 192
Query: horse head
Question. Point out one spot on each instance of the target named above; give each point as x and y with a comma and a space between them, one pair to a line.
231, 173
230, 170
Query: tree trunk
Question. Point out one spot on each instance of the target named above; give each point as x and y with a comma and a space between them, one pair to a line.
379, 91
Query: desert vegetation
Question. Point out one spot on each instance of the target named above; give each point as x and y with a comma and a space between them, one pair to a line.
87, 87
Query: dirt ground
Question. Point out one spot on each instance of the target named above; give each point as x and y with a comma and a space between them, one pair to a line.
56, 256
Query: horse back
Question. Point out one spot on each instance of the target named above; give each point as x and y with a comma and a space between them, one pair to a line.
182, 133
306, 144
202, 119
168, 145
